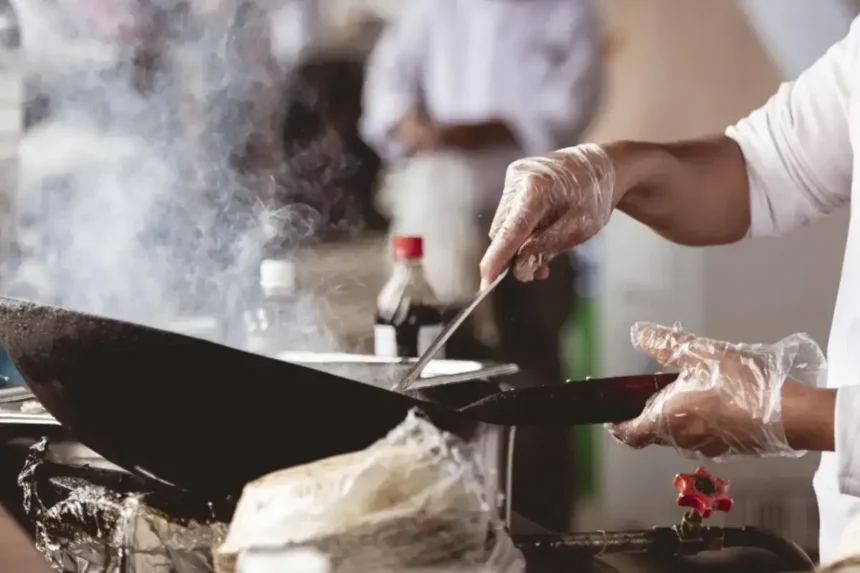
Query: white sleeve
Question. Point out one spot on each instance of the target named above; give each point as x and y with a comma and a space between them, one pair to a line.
847, 424
392, 84
562, 104
797, 146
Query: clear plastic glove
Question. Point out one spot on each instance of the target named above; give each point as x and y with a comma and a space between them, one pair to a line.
549, 205
727, 400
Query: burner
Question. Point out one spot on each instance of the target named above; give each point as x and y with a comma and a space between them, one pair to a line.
109, 521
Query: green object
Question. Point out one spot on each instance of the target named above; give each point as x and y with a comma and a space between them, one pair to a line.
581, 354
581, 363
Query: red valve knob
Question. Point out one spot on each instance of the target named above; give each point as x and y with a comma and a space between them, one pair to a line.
702, 492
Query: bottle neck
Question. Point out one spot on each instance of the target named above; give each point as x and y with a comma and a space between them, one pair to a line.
409, 271
408, 264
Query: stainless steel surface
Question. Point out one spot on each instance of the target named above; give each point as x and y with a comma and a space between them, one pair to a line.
74, 454
436, 346
11, 418
485, 373
18, 406
12, 394
494, 448
383, 372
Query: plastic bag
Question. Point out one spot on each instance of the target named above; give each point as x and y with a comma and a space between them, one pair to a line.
414, 501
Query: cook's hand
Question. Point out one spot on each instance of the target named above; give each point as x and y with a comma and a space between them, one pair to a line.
549, 204
728, 398
417, 133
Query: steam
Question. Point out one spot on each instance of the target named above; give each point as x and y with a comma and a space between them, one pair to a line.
147, 194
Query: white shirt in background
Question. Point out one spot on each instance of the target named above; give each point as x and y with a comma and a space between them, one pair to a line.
533, 63
799, 150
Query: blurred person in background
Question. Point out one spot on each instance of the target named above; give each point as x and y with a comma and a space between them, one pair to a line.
787, 164
330, 167
235, 92
298, 27
461, 88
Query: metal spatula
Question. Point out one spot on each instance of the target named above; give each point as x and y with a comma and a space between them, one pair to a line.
446, 334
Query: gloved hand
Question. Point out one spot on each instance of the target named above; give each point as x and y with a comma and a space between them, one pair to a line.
727, 400
549, 204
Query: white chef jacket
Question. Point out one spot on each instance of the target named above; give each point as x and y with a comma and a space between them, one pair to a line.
534, 64
799, 149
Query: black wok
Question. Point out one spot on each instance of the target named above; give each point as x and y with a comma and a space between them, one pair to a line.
193, 413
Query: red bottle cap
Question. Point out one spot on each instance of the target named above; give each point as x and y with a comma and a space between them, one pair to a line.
407, 247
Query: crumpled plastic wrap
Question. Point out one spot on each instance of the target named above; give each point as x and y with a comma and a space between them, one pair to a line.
414, 501
103, 521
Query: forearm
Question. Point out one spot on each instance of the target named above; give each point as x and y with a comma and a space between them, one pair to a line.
808, 415
475, 136
692, 193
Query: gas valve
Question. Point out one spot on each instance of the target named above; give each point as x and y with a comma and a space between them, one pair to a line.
703, 494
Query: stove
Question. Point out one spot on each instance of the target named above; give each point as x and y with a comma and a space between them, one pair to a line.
87, 515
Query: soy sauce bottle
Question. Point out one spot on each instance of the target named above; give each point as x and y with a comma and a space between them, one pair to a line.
408, 316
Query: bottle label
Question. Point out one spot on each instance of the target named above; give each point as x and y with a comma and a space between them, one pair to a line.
385, 341
388, 344
426, 336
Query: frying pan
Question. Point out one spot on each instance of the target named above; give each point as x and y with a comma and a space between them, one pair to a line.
209, 418
193, 413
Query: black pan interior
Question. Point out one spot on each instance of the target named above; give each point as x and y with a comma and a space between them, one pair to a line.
193, 413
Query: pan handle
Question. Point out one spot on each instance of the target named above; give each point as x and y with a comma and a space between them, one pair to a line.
593, 401
612, 400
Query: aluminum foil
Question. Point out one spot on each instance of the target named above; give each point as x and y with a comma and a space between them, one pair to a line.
97, 521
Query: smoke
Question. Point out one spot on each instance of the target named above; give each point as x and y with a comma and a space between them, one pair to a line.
148, 191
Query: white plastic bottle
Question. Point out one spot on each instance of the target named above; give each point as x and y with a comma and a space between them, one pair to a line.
283, 561
408, 315
268, 325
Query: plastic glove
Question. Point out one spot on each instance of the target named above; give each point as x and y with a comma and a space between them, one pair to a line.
727, 400
549, 205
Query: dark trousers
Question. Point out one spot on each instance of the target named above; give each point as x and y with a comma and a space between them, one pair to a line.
531, 318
